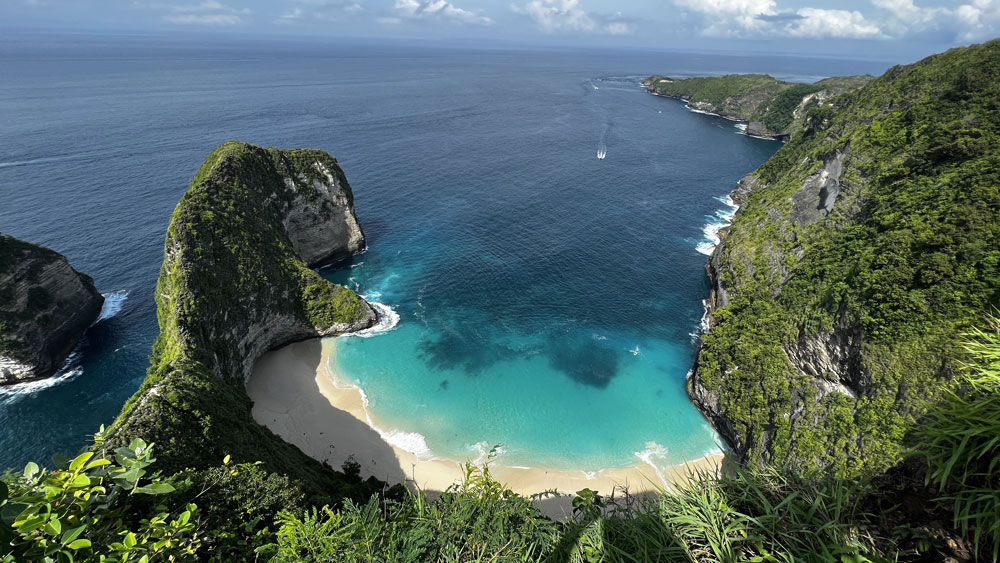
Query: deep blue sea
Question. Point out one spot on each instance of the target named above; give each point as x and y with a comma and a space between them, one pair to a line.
547, 298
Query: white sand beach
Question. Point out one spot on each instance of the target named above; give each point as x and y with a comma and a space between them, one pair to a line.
298, 398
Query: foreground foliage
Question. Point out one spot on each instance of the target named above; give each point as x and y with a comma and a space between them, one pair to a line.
89, 509
114, 509
961, 442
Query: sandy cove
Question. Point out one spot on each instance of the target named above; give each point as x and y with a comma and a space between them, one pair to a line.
297, 397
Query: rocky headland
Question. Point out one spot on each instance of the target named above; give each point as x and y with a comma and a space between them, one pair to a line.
45, 308
768, 107
237, 281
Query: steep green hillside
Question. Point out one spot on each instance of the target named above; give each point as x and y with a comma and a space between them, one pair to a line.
232, 286
863, 248
770, 107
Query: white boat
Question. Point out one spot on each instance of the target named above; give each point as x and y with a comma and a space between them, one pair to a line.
601, 154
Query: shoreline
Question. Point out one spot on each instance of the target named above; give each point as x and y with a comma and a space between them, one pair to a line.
297, 397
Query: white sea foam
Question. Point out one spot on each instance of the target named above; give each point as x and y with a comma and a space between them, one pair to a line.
413, 442
113, 303
69, 371
483, 450
387, 320
652, 455
741, 127
716, 222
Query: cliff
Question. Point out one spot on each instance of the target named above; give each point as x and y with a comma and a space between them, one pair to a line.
861, 252
45, 308
769, 107
236, 281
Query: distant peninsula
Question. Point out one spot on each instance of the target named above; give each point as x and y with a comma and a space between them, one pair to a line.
45, 308
769, 107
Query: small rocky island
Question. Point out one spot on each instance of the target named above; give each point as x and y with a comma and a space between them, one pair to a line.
45, 308
769, 107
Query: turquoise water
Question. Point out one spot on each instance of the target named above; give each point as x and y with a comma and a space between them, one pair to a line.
525, 270
548, 298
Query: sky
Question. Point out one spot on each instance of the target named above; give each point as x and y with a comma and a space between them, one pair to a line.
872, 28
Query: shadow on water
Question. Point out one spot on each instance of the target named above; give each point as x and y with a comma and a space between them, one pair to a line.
584, 360
462, 349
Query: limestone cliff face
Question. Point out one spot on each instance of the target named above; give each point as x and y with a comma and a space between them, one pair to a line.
236, 281
860, 253
45, 307
325, 229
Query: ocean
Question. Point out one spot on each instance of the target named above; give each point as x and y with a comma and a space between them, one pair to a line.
537, 222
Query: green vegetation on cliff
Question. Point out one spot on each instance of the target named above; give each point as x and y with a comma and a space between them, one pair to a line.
767, 103
841, 327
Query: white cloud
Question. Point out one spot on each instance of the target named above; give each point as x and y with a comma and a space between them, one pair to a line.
312, 10
203, 19
816, 22
972, 21
208, 13
439, 10
555, 16
762, 18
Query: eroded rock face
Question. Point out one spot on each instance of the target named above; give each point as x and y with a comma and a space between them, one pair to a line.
323, 230
819, 192
45, 308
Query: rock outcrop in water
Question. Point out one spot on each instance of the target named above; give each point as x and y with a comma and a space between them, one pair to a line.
860, 253
237, 281
768, 107
45, 308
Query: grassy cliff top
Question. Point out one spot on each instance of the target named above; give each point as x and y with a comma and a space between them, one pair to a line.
908, 258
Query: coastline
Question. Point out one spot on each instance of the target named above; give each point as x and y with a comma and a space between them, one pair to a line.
297, 397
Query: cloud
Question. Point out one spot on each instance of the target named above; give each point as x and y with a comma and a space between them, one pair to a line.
817, 23
326, 10
560, 16
762, 18
437, 10
972, 21
203, 19
780, 17
207, 13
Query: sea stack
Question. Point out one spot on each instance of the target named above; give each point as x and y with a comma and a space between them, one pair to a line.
45, 308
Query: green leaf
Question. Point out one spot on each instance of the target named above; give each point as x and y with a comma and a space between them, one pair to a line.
98, 463
156, 489
81, 481
80, 460
72, 533
130, 539
53, 527
79, 544
225, 460
31, 469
